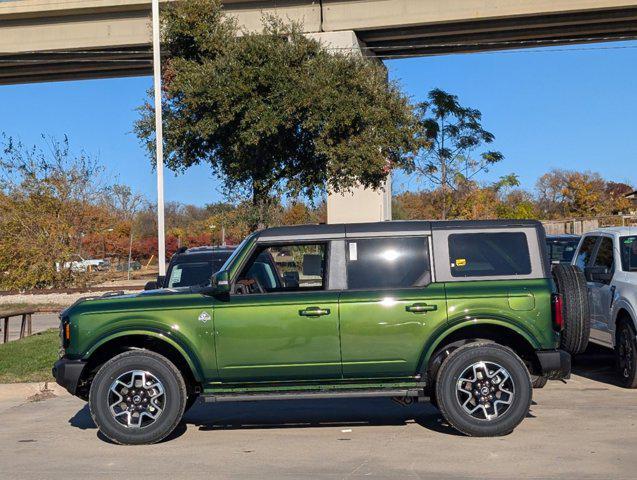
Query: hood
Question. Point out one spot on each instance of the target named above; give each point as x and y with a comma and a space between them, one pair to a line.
124, 300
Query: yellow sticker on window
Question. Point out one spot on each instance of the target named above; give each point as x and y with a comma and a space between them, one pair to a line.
461, 262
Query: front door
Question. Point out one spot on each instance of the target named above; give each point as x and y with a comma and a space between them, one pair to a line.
279, 323
390, 307
601, 292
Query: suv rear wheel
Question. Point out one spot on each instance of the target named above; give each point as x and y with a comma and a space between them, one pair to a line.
484, 389
137, 397
626, 355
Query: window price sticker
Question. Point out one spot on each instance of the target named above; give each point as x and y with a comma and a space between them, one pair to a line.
353, 252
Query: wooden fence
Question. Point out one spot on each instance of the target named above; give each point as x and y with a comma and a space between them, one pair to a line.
25, 326
579, 226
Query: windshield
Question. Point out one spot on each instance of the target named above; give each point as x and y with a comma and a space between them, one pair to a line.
192, 274
236, 252
562, 250
628, 250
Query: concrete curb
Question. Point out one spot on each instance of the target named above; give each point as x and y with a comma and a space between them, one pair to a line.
21, 392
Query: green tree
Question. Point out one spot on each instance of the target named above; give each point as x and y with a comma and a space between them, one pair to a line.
453, 133
274, 113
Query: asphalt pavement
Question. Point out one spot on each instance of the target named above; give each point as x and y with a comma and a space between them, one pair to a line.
585, 429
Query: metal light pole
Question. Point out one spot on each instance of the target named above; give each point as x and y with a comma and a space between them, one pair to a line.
159, 141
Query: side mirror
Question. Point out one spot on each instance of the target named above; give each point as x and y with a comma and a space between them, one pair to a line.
220, 283
152, 285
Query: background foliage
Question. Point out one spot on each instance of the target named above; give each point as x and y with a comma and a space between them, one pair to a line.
274, 112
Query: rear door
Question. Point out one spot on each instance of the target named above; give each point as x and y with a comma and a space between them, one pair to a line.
583, 260
601, 291
390, 308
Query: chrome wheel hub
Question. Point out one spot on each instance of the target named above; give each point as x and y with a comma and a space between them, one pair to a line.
136, 399
485, 390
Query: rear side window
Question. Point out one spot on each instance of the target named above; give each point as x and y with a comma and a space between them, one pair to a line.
489, 254
378, 263
584, 254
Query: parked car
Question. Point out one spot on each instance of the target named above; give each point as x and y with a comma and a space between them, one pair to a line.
608, 258
561, 248
81, 265
190, 267
132, 266
456, 312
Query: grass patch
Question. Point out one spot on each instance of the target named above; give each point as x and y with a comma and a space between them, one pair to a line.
29, 359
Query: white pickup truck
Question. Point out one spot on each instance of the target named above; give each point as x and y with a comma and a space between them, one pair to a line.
608, 258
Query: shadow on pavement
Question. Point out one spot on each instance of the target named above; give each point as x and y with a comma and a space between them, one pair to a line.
82, 419
596, 363
308, 413
314, 414
297, 414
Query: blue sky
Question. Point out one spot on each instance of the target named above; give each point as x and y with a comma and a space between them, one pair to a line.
569, 108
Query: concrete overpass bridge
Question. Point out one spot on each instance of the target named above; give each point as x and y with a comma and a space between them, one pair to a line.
48, 40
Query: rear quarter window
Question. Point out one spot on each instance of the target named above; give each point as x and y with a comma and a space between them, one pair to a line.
489, 254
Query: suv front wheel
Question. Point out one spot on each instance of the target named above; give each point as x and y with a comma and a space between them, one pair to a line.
626, 355
483, 389
137, 397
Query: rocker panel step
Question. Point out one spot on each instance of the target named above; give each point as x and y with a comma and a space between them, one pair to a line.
308, 395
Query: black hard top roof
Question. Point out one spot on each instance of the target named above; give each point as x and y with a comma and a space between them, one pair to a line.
200, 253
405, 227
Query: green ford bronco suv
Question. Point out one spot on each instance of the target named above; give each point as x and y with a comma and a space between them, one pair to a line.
460, 313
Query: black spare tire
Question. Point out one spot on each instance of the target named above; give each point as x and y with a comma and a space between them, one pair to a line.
571, 284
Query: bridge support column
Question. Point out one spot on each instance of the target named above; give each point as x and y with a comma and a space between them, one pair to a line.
361, 204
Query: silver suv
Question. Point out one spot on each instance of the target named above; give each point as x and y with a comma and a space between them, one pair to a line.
608, 258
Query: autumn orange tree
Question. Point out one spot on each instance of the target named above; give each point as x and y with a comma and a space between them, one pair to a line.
568, 193
49, 202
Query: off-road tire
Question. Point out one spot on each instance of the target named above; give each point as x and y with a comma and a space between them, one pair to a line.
538, 381
571, 284
626, 339
164, 371
447, 383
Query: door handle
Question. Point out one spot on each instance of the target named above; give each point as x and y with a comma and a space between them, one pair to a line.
421, 308
314, 312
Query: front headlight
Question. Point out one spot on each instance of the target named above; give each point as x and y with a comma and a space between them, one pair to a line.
65, 334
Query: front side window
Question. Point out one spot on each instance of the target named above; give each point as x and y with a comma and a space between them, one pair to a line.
381, 263
604, 257
584, 254
284, 268
628, 251
489, 254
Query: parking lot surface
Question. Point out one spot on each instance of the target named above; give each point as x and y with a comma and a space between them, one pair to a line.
586, 429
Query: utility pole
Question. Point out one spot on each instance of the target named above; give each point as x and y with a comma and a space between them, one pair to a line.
159, 141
